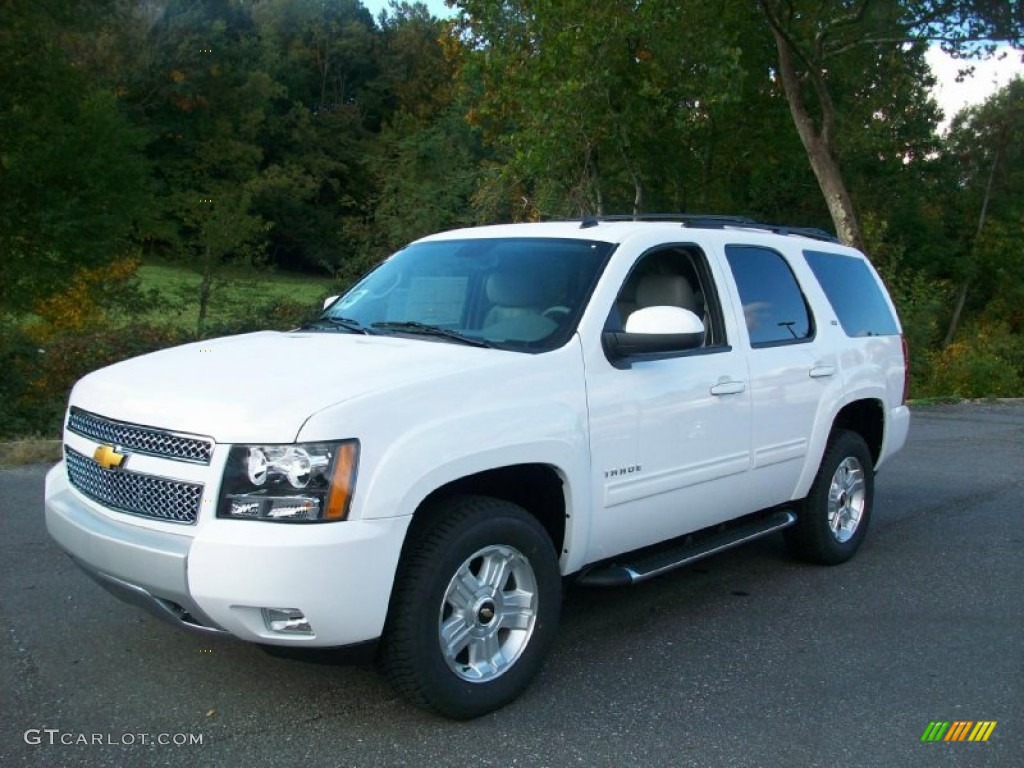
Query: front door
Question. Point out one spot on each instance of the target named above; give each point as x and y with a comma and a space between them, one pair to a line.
670, 437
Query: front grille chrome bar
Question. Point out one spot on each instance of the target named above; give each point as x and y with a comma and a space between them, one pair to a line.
140, 439
149, 496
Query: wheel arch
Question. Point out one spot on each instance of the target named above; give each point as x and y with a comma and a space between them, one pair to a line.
537, 488
865, 417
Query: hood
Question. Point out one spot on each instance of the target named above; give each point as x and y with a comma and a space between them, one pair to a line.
262, 387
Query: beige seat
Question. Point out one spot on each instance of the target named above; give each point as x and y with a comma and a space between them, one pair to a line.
666, 291
515, 294
519, 300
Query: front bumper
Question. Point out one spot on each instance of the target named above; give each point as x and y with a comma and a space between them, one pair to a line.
220, 574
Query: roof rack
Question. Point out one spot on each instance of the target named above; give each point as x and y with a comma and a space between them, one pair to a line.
711, 221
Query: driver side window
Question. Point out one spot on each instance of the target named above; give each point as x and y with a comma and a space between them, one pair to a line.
673, 277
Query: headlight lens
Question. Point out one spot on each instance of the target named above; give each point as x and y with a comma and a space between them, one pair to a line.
301, 483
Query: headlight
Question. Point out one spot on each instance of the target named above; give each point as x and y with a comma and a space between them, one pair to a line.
301, 483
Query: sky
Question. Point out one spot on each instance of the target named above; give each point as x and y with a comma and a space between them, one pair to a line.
952, 96
436, 7
989, 76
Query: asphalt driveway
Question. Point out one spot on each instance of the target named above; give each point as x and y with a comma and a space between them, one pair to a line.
746, 659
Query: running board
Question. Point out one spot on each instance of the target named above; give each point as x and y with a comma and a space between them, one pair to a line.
653, 561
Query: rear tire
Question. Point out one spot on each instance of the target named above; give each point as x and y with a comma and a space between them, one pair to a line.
474, 608
833, 520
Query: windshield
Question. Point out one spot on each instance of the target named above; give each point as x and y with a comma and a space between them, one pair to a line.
524, 294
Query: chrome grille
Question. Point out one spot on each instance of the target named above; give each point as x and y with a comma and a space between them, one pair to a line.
132, 492
154, 442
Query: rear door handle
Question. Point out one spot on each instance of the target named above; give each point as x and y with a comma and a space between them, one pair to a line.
728, 388
821, 371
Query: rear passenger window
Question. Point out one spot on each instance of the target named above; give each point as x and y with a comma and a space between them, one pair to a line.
773, 305
854, 294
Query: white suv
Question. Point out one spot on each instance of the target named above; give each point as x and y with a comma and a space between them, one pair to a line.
488, 412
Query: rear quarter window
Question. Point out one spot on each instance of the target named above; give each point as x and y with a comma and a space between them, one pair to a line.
854, 293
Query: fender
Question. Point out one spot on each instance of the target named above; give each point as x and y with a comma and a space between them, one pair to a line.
823, 424
524, 409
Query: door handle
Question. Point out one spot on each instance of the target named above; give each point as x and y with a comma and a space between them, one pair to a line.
822, 371
728, 388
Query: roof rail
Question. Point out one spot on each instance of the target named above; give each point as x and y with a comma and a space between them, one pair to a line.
712, 221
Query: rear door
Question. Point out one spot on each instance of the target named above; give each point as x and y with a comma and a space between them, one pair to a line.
791, 370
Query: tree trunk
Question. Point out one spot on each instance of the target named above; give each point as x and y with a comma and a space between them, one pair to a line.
626, 150
819, 143
638, 199
954, 321
205, 290
595, 181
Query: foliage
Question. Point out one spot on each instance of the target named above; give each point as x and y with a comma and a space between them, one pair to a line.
874, 42
920, 300
313, 184
69, 356
583, 98
93, 297
986, 361
986, 142
73, 179
41, 367
19, 361
229, 137
85, 325
273, 315
426, 156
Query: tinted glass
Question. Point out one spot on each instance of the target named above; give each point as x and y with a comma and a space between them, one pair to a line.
854, 293
523, 294
773, 305
685, 272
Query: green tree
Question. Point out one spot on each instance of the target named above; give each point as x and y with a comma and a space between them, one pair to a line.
207, 104
987, 142
425, 159
316, 186
598, 106
815, 41
72, 171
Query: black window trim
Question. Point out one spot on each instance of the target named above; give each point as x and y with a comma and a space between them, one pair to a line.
713, 303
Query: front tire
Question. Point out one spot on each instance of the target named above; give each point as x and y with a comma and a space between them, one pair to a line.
833, 520
474, 608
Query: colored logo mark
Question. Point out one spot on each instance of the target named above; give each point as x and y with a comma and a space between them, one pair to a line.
107, 457
959, 730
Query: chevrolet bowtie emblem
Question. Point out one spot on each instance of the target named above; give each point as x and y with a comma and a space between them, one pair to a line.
108, 458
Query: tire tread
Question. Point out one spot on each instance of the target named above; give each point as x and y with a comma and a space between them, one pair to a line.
426, 541
809, 538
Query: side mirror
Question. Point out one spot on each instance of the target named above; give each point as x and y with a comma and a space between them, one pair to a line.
329, 300
655, 330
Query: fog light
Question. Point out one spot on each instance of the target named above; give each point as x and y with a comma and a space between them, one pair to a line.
290, 621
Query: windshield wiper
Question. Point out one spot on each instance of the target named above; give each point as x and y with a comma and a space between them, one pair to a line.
411, 326
340, 322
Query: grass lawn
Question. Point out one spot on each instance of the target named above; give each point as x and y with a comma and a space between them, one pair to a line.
236, 289
46, 365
